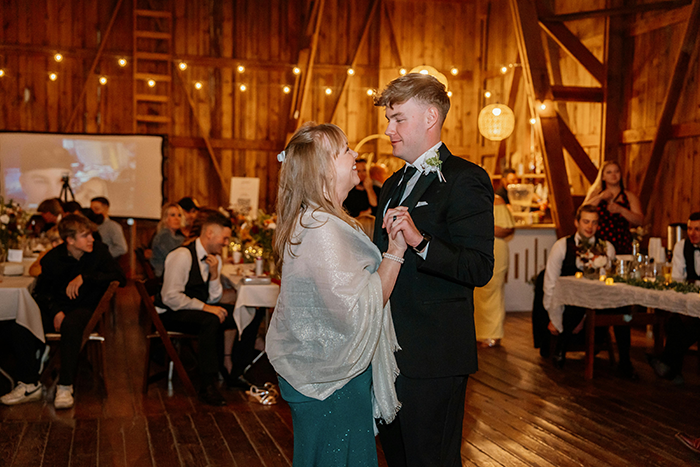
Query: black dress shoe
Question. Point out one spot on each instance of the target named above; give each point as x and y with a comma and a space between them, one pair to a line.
211, 396
559, 358
237, 383
626, 371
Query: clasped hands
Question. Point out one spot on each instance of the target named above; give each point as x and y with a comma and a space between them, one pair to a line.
398, 221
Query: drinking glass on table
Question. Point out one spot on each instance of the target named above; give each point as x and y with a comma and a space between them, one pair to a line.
667, 269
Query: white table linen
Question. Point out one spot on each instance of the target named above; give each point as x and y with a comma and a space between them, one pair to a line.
248, 297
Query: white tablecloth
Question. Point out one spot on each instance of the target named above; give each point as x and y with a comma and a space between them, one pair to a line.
17, 303
249, 297
596, 295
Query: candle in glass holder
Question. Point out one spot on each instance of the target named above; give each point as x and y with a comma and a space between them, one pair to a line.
578, 274
609, 281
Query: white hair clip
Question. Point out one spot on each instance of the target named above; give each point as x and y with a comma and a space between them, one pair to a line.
281, 156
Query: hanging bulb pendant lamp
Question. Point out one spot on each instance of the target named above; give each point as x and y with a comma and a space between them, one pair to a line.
496, 122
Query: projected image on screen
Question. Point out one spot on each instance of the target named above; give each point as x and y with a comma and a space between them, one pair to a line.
124, 169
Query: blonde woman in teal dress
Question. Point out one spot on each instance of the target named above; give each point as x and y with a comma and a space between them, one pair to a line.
331, 338
490, 301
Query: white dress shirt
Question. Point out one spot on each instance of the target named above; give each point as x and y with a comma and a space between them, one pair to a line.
418, 163
176, 274
552, 273
680, 273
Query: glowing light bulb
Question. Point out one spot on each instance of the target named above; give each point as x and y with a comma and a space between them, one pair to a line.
533, 121
402, 71
424, 72
103, 80
487, 94
496, 111
370, 92
2, 72
198, 85
243, 87
182, 66
504, 69
543, 107
296, 70
286, 89
122, 62
351, 71
151, 83
58, 57
449, 93
53, 76
241, 68
329, 91
454, 71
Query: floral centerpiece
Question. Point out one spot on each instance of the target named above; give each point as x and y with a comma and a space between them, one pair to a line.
591, 256
13, 220
253, 235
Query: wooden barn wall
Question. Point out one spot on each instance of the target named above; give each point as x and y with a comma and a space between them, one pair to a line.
656, 41
247, 129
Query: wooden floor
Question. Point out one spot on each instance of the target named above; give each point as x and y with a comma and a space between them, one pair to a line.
520, 412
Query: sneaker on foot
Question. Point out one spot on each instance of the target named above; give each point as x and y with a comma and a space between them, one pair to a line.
64, 397
23, 393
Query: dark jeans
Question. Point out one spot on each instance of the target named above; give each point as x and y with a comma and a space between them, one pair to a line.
24, 346
573, 316
243, 351
681, 333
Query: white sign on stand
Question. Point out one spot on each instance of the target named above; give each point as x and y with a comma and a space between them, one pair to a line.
245, 195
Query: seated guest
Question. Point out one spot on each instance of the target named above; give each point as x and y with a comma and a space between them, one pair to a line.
168, 236
35, 225
190, 208
189, 299
564, 260
74, 276
111, 231
363, 197
681, 331
52, 212
72, 207
54, 239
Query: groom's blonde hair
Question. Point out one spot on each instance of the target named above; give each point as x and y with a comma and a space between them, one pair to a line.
425, 89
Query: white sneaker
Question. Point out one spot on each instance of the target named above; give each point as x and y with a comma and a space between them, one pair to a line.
64, 397
23, 393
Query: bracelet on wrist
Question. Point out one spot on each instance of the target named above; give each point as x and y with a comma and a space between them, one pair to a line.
398, 259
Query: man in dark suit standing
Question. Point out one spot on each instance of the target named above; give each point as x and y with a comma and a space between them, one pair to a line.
445, 207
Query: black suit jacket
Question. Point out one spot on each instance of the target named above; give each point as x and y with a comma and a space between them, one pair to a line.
432, 303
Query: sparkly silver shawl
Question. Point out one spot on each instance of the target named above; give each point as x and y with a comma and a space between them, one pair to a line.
329, 323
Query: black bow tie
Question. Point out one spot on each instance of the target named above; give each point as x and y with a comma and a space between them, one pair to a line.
204, 258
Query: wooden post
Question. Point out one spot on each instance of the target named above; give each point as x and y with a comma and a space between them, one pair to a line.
612, 89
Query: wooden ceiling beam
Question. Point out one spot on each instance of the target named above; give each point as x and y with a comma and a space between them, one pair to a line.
512, 99
575, 48
577, 93
96, 60
528, 35
663, 130
625, 10
613, 90
576, 151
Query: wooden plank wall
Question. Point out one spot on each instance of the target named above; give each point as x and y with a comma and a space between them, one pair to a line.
247, 129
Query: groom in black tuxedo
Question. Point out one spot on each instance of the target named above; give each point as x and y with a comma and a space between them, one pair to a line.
444, 205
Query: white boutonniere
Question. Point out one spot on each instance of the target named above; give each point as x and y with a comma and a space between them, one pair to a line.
433, 164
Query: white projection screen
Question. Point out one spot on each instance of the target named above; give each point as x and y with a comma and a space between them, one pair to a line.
127, 170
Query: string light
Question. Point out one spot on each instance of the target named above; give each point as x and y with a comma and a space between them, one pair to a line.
328, 91
504, 70
487, 94
2, 72
182, 66
53, 76
122, 62
103, 80
296, 70
454, 71
449, 93
198, 85
533, 121
402, 71
351, 71
286, 89
241, 68
543, 107
58, 57
151, 83
370, 92
243, 87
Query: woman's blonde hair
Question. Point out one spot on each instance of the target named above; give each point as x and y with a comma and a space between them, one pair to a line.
599, 184
307, 181
164, 216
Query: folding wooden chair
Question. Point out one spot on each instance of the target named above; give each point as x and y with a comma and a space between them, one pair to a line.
145, 264
96, 354
147, 289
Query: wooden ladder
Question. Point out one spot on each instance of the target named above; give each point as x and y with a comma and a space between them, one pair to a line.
153, 42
